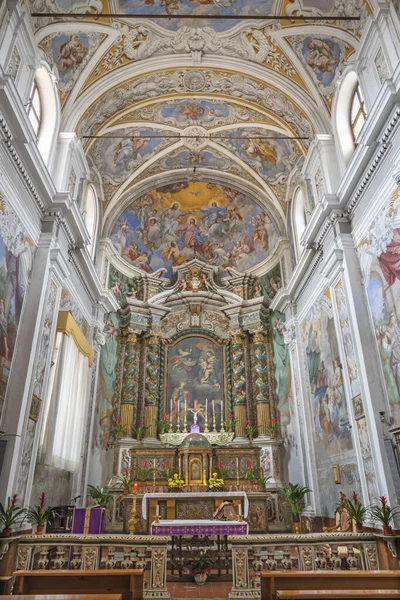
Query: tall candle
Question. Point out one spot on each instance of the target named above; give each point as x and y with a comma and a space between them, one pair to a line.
171, 409
154, 470
185, 406
157, 511
240, 509
206, 406
213, 407
237, 469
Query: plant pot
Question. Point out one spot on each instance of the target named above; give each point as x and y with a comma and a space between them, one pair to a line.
359, 527
296, 523
40, 529
200, 578
387, 530
6, 532
126, 492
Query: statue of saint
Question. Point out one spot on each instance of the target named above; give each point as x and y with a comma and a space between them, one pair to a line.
342, 516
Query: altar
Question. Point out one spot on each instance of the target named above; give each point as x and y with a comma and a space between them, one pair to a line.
167, 503
201, 527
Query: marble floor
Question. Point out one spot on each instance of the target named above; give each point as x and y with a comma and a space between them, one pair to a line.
212, 590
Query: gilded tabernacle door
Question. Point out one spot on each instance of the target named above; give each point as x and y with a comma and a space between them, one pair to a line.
194, 384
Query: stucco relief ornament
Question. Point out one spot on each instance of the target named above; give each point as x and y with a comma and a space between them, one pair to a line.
289, 334
194, 81
197, 139
98, 337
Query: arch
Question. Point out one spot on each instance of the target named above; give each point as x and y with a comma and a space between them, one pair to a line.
299, 217
342, 115
50, 111
90, 215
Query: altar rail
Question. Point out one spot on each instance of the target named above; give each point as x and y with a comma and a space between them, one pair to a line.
304, 552
92, 552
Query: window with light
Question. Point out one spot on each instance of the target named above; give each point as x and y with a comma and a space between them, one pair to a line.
358, 113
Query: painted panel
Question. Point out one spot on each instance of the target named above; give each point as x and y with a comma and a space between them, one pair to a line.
195, 373
107, 403
169, 225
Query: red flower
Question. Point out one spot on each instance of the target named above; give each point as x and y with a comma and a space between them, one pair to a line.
164, 417
167, 464
248, 424
145, 464
42, 497
262, 471
141, 424
118, 421
273, 420
126, 472
249, 463
355, 497
383, 501
14, 500
220, 464
229, 415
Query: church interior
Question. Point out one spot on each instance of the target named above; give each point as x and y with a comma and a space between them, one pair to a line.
199, 318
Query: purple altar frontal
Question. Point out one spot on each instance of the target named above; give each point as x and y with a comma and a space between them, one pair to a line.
89, 520
200, 527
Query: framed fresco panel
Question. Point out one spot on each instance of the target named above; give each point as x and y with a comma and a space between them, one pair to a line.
195, 382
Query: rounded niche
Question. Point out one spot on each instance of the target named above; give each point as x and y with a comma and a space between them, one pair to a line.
195, 440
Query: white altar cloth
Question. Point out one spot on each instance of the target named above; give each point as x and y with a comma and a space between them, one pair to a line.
165, 496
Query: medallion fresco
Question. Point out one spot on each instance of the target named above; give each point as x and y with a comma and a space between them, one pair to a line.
198, 8
195, 383
272, 159
379, 255
69, 53
118, 157
170, 225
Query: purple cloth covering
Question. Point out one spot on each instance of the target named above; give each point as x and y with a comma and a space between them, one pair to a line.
222, 528
92, 521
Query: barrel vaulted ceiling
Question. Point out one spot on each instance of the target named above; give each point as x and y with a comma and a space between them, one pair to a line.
198, 99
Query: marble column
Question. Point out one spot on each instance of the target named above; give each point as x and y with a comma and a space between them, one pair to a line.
151, 386
238, 383
129, 382
261, 385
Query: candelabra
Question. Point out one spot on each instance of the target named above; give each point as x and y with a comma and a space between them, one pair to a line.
214, 422
134, 515
185, 430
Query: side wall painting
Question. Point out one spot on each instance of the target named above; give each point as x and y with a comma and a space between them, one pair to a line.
329, 406
195, 383
106, 404
380, 263
16, 256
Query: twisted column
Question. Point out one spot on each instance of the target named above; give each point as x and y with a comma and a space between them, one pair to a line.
129, 382
238, 383
261, 385
152, 385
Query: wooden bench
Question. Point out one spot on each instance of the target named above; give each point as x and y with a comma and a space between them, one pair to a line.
335, 594
66, 597
127, 582
271, 581
6, 582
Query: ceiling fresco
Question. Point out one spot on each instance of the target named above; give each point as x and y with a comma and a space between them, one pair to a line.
169, 225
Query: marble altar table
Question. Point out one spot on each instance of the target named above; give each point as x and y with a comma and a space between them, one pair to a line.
180, 527
153, 499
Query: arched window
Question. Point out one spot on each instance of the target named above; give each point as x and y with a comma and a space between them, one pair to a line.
358, 113
34, 108
299, 217
90, 217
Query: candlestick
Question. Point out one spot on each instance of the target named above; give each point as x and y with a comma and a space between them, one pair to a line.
154, 470
237, 470
185, 419
157, 514
134, 516
240, 513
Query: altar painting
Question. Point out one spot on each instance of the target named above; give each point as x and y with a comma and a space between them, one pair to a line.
195, 380
379, 255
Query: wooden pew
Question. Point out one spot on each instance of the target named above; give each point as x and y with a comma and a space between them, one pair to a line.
271, 581
67, 597
128, 582
335, 594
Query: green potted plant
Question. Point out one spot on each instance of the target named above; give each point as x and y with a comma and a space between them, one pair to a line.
40, 515
101, 495
384, 514
143, 473
294, 493
215, 483
201, 567
250, 430
221, 471
162, 424
125, 481
13, 514
230, 422
272, 429
357, 511
139, 431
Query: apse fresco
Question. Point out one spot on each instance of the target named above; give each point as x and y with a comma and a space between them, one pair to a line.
273, 159
379, 254
198, 8
195, 383
168, 226
118, 157
331, 429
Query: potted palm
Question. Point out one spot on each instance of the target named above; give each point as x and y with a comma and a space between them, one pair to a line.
101, 495
384, 514
40, 515
357, 511
294, 493
126, 482
13, 514
201, 568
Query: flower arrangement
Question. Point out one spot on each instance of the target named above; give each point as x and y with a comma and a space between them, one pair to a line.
162, 424
40, 515
101, 495
255, 473
201, 565
357, 511
143, 473
230, 422
272, 428
215, 483
169, 471
250, 430
126, 481
139, 431
221, 471
12, 515
383, 513
249, 472
117, 431
175, 482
